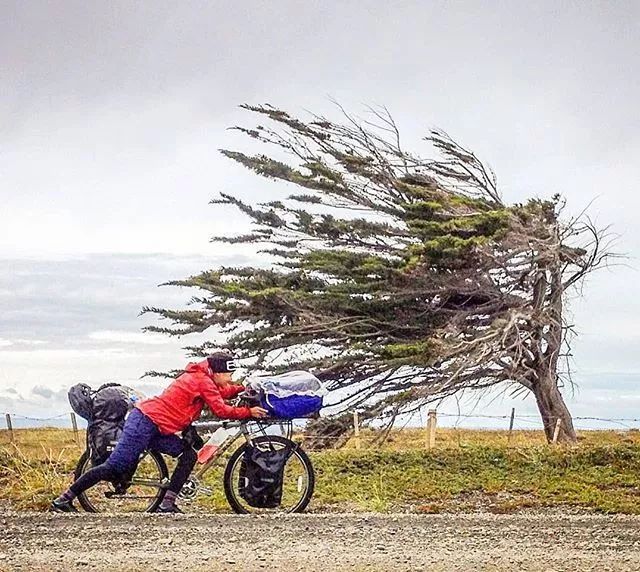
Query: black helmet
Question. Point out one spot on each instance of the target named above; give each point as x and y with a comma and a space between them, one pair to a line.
222, 362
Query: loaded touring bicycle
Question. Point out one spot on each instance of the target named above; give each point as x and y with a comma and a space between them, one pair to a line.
268, 472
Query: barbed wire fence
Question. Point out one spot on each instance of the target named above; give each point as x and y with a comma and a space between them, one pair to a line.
64, 421
519, 429
427, 432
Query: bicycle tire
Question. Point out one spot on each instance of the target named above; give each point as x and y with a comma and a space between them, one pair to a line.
236, 506
89, 507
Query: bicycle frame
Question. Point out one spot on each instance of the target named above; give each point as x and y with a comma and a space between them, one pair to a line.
248, 429
243, 430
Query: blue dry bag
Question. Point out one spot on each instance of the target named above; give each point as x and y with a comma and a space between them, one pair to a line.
292, 406
289, 395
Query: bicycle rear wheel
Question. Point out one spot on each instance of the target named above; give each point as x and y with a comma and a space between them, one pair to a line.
142, 493
298, 480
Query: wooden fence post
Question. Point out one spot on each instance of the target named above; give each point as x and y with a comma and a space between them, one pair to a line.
556, 431
513, 414
356, 430
431, 429
74, 424
9, 426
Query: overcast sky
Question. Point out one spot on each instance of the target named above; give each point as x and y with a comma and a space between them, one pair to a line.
112, 114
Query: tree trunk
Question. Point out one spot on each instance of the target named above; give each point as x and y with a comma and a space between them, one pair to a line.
552, 407
547, 299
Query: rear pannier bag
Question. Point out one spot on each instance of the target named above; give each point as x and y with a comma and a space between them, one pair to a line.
289, 395
261, 476
108, 407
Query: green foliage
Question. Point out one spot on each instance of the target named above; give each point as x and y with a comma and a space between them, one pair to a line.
450, 247
410, 353
421, 210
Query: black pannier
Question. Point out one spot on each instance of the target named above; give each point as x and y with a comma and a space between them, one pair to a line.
261, 475
105, 409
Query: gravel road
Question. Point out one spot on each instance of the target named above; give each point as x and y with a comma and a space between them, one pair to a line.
321, 542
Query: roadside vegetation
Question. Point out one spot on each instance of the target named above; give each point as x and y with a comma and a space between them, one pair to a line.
469, 470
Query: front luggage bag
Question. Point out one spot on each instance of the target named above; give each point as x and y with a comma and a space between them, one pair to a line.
261, 476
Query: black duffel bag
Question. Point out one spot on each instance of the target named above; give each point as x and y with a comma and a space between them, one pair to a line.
261, 475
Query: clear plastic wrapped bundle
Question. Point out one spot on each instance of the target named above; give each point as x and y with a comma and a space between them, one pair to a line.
289, 395
287, 384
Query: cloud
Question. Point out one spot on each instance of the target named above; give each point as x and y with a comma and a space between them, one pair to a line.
125, 337
43, 406
63, 300
76, 318
42, 391
21, 342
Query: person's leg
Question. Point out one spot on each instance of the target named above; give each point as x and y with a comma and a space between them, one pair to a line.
137, 434
92, 477
187, 457
63, 503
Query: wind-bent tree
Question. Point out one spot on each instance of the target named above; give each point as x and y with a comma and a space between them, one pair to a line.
399, 280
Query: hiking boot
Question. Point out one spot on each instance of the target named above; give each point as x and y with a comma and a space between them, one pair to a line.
62, 506
173, 509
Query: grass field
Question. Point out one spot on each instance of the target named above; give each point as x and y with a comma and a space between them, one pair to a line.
468, 470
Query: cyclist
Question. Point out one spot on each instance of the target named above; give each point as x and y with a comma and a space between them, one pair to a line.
155, 424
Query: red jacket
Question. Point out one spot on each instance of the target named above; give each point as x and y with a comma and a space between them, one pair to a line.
182, 402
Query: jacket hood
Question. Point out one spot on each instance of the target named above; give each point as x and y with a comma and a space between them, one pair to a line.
200, 367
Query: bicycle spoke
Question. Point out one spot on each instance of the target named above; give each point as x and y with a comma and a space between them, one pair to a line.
135, 496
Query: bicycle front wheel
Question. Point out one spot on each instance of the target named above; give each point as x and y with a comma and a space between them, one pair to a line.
298, 480
143, 492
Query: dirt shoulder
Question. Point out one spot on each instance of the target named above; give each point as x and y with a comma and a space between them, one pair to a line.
528, 542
